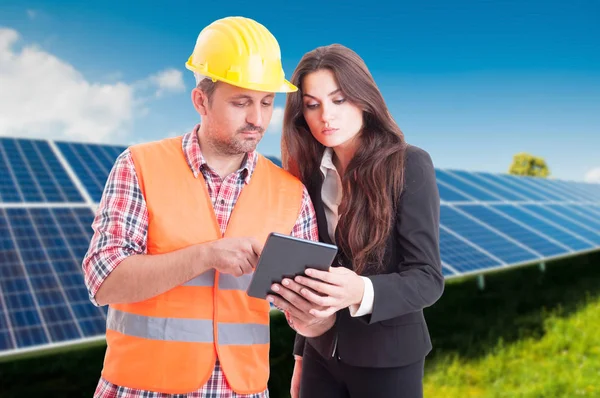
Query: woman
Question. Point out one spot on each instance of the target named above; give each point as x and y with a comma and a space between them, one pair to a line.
360, 326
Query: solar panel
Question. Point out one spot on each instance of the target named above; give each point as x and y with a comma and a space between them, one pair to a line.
471, 190
549, 192
483, 235
516, 186
450, 194
589, 211
533, 220
91, 163
541, 245
593, 209
31, 172
487, 184
461, 256
44, 296
575, 228
49, 192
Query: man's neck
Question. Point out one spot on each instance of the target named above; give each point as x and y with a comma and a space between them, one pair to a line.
221, 163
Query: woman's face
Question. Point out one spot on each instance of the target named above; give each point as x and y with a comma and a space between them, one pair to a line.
333, 120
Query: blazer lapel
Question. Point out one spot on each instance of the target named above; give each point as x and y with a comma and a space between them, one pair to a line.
314, 190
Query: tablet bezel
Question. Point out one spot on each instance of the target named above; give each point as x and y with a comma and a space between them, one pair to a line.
260, 285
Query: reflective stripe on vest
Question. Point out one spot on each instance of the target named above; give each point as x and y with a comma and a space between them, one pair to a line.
226, 281
185, 330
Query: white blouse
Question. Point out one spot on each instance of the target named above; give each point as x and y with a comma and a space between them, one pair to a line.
331, 196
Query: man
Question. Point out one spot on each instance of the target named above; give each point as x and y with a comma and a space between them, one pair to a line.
180, 227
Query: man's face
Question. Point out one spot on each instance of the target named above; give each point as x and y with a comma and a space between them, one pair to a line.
236, 118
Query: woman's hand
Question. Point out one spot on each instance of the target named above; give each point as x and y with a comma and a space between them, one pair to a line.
338, 288
297, 309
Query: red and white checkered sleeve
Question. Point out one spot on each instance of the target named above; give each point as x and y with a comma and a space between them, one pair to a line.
306, 224
120, 225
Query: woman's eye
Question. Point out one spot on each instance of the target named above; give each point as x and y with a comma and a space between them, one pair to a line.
340, 101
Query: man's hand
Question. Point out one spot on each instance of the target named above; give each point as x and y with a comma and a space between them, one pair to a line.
297, 309
296, 377
235, 256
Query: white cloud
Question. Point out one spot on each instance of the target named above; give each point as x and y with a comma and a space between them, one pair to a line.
169, 80
44, 96
593, 175
276, 121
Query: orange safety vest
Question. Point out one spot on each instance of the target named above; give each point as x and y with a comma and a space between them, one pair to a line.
169, 343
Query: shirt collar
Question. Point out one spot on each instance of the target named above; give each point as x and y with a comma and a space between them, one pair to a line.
327, 161
197, 162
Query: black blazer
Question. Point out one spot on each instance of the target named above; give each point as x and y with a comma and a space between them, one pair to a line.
395, 333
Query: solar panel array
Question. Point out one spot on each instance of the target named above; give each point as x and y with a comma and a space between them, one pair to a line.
49, 191
48, 194
491, 221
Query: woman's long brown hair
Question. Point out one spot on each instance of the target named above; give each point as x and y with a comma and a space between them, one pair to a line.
373, 180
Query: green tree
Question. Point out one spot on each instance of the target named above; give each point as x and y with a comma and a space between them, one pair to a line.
525, 164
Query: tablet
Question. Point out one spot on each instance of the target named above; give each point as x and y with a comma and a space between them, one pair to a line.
286, 256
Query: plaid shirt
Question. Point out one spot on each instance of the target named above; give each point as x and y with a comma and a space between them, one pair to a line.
120, 230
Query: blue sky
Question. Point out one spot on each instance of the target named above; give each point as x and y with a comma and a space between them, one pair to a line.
471, 82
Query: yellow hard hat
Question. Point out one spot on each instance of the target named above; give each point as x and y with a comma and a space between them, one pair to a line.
241, 52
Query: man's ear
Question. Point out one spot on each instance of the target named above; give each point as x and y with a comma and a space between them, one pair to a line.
200, 101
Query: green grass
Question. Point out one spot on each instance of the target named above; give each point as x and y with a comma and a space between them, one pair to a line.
528, 334
565, 362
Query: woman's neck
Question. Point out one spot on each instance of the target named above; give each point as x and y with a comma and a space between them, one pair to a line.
343, 154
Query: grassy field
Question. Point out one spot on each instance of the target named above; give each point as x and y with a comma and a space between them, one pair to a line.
528, 334
565, 362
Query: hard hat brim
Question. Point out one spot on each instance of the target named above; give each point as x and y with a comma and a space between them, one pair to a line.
285, 87
288, 87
